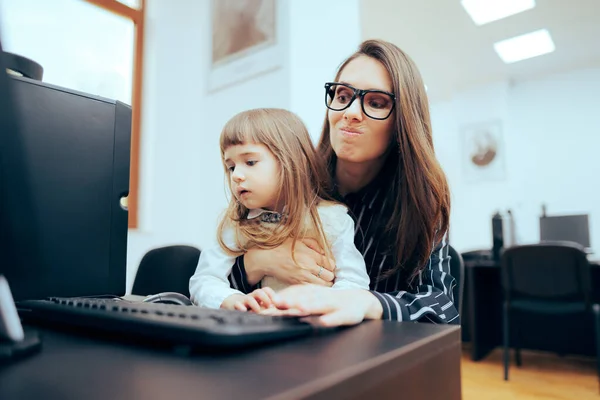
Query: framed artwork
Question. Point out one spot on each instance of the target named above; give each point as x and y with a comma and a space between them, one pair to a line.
483, 152
245, 41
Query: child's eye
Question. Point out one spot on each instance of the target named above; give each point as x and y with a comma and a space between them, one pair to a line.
251, 163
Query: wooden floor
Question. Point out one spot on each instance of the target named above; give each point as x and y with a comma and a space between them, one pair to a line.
542, 376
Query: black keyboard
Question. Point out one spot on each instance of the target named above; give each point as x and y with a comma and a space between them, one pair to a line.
192, 326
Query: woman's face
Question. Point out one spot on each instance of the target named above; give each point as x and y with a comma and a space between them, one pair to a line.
354, 136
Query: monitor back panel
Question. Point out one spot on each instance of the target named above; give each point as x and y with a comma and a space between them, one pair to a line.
573, 228
61, 193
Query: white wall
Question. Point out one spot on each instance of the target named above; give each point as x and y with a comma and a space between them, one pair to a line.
551, 137
182, 188
322, 35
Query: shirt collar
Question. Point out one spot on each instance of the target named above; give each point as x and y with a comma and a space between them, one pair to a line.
256, 212
266, 215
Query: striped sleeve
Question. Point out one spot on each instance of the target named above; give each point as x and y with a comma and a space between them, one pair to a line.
238, 278
432, 300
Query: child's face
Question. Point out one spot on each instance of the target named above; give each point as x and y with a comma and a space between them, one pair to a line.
253, 175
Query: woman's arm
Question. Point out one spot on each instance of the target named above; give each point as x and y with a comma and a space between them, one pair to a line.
240, 280
248, 270
433, 299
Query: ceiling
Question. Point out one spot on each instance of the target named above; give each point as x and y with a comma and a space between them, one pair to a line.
454, 54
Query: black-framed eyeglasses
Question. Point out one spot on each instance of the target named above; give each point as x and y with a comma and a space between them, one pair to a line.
376, 104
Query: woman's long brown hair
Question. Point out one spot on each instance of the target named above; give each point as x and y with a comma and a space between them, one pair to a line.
303, 179
419, 191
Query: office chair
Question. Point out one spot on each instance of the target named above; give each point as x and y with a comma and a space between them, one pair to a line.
166, 269
23, 66
551, 278
457, 270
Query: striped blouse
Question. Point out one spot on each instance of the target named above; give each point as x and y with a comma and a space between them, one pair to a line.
428, 297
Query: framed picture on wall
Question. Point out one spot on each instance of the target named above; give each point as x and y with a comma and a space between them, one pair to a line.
483, 152
245, 41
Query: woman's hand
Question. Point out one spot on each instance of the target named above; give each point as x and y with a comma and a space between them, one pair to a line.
336, 307
313, 266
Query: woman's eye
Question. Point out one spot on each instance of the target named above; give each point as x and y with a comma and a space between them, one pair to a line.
251, 163
379, 103
343, 95
230, 169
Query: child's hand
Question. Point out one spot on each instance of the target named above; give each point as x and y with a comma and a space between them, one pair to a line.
240, 302
265, 297
258, 300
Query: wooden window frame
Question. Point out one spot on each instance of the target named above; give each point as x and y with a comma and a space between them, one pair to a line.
137, 16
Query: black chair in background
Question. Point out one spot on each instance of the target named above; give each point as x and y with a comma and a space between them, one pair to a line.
23, 66
166, 269
457, 270
551, 278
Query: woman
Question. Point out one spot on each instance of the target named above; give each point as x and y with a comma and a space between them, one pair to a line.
378, 144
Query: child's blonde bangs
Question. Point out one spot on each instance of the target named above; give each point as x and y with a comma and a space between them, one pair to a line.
254, 126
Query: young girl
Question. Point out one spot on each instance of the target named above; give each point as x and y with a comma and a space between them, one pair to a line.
278, 185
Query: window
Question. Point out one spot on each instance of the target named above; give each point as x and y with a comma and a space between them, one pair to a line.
94, 46
79, 46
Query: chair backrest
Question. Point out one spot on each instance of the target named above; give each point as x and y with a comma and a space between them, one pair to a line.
24, 66
557, 271
457, 270
166, 269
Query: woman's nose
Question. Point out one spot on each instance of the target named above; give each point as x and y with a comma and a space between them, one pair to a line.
354, 112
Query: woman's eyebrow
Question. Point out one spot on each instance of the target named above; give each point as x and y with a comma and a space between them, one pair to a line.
371, 88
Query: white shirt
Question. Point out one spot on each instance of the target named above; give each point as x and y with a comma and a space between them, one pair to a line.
209, 285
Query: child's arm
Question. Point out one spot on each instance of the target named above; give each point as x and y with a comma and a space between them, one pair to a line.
209, 286
351, 270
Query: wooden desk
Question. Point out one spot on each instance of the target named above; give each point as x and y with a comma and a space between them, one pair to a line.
482, 317
381, 360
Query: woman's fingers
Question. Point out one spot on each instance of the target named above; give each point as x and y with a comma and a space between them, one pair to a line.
273, 311
311, 278
312, 263
306, 298
327, 263
340, 317
327, 307
239, 306
317, 256
323, 273
313, 245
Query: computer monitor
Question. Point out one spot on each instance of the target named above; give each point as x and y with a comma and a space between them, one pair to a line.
64, 167
572, 228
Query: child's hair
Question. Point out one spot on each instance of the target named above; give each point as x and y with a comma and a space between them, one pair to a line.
303, 179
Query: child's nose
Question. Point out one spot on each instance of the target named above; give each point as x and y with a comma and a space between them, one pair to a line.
237, 176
